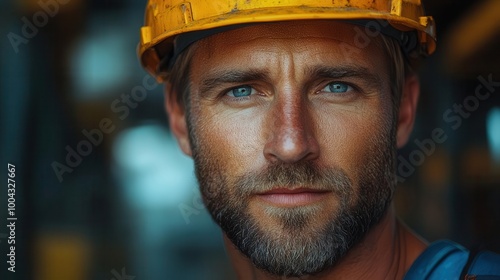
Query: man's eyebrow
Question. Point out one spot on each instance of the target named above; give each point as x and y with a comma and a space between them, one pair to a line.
217, 78
347, 71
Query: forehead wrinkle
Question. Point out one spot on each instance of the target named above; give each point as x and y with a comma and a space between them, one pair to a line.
265, 44
268, 33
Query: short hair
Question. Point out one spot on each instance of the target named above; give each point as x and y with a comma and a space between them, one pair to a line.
398, 66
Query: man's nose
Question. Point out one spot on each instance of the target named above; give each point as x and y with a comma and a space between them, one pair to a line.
291, 132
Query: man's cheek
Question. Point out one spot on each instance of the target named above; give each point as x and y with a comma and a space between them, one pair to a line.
352, 149
239, 142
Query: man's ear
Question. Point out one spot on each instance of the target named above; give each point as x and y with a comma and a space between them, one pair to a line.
407, 109
177, 119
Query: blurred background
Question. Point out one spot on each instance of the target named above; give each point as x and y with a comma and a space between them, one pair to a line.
103, 192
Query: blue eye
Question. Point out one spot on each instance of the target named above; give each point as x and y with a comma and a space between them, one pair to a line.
241, 91
337, 88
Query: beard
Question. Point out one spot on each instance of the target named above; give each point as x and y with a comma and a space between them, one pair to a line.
301, 241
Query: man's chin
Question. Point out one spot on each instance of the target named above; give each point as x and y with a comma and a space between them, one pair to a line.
287, 241
283, 250
292, 219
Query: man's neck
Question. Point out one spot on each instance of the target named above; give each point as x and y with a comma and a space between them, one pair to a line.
387, 252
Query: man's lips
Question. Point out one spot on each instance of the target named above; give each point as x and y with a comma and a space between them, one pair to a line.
293, 197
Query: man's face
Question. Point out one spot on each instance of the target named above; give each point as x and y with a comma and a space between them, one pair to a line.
293, 137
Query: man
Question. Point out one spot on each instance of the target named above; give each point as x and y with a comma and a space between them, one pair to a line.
292, 112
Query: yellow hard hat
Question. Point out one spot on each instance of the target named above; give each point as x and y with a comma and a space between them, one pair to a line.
166, 19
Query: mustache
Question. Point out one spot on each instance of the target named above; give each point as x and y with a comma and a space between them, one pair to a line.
295, 175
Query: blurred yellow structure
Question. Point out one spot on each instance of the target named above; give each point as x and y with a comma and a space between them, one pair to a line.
471, 35
62, 256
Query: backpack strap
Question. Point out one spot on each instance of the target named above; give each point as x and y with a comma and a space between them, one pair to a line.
448, 260
441, 260
484, 266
